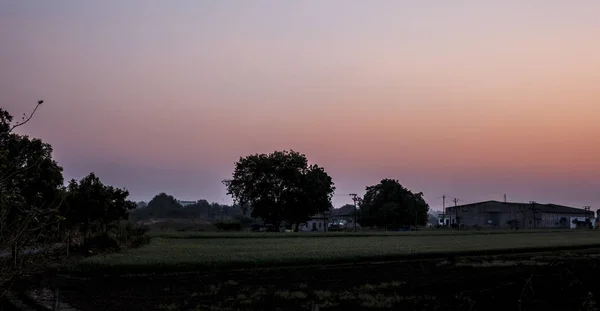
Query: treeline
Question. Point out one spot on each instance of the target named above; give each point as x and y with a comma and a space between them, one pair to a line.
164, 206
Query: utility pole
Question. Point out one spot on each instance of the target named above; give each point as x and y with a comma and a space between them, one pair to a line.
444, 209
354, 198
505, 198
455, 200
587, 211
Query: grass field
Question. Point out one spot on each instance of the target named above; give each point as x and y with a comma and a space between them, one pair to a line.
451, 279
197, 251
272, 235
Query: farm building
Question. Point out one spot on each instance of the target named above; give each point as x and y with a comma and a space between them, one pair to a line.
186, 203
316, 223
497, 214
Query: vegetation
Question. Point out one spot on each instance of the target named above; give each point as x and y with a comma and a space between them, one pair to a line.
171, 255
164, 206
104, 205
389, 204
288, 235
345, 210
228, 226
280, 186
30, 193
40, 218
37, 212
560, 280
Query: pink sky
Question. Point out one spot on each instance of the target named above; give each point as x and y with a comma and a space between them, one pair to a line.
472, 99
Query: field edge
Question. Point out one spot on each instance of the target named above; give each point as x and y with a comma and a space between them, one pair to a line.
86, 269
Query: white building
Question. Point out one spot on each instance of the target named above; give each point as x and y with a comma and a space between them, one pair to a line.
317, 223
186, 203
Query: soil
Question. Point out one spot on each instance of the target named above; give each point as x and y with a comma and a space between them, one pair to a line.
550, 281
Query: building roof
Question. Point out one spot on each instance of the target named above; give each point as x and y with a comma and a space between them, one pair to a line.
186, 203
545, 208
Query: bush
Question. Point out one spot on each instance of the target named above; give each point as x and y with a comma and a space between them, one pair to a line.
245, 221
228, 226
129, 235
101, 243
139, 241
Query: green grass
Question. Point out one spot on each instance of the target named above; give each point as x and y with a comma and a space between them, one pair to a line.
222, 251
276, 235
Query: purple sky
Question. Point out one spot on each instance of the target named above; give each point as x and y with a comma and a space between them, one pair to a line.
473, 99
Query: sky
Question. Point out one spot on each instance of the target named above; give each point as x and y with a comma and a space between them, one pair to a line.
472, 99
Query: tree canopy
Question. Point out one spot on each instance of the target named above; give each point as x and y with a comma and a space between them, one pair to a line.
165, 206
31, 184
346, 210
280, 186
36, 209
92, 205
390, 204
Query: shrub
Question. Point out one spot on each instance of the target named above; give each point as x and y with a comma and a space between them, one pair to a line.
245, 221
129, 235
228, 226
139, 241
102, 243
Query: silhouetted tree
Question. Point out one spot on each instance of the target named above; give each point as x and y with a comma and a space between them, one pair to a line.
280, 186
389, 204
164, 206
346, 210
92, 206
31, 190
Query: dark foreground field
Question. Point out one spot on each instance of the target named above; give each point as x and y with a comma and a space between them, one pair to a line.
543, 281
409, 271
184, 253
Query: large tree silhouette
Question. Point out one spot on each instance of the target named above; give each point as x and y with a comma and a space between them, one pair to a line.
31, 190
390, 204
280, 186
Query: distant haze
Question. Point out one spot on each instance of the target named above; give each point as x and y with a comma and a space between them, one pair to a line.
469, 98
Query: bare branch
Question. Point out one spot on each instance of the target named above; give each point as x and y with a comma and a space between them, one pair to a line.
28, 118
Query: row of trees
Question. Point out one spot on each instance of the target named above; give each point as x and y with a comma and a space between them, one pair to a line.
281, 187
164, 206
37, 211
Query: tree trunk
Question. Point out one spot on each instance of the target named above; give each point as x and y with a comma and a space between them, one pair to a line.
85, 232
56, 305
297, 227
68, 241
15, 255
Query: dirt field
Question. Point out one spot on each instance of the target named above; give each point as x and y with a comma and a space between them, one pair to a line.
543, 281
